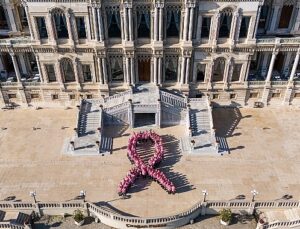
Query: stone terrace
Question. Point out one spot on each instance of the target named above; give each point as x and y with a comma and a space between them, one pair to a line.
264, 147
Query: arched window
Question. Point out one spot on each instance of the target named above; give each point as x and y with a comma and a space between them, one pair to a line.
3, 21
143, 24
219, 67
60, 24
68, 70
236, 73
286, 15
171, 68
225, 23
114, 24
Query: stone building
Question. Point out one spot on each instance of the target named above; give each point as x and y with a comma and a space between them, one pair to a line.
236, 52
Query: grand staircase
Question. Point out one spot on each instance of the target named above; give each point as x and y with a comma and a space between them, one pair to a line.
170, 108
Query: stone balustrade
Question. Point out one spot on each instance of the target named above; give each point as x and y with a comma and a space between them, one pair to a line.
117, 220
173, 99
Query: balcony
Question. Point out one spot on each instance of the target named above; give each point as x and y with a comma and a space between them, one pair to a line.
277, 40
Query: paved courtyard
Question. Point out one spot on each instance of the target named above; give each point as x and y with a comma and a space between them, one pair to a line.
264, 154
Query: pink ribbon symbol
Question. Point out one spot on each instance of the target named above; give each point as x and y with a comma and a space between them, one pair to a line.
141, 169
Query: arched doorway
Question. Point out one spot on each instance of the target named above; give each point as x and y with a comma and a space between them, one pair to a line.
219, 67
144, 64
67, 70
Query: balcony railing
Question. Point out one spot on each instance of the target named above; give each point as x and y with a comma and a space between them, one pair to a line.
273, 40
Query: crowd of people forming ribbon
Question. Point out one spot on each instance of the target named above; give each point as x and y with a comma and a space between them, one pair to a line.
141, 169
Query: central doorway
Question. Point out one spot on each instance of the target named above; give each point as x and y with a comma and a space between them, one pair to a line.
144, 119
144, 70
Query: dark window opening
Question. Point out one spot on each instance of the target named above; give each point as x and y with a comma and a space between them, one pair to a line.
3, 20
219, 68
263, 17
54, 97
285, 17
236, 72
143, 23
61, 26
40, 21
86, 71
205, 30
200, 72
114, 24
50, 72
225, 26
81, 27
68, 72
117, 73
171, 69
72, 97
23, 18
244, 27
173, 23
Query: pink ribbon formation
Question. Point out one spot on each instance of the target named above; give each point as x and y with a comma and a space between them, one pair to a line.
143, 169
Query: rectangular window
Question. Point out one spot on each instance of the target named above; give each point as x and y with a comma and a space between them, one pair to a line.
34, 96
205, 29
116, 64
12, 96
89, 96
215, 96
201, 72
113, 23
232, 96
275, 95
236, 72
50, 72
40, 21
54, 97
171, 67
86, 71
72, 97
245, 27
253, 95
297, 95
263, 17
80, 27
173, 23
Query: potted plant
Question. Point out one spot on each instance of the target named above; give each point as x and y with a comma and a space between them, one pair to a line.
225, 216
78, 217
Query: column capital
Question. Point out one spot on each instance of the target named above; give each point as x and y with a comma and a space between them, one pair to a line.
190, 4
159, 5
187, 52
298, 51
275, 52
127, 4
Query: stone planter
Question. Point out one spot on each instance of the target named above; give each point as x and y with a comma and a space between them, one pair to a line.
224, 223
79, 223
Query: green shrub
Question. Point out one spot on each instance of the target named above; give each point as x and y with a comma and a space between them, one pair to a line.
226, 215
78, 215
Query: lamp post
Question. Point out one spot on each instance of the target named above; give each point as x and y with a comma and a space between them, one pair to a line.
33, 195
254, 193
204, 193
82, 194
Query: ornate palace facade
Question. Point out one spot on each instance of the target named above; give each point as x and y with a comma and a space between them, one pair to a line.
236, 52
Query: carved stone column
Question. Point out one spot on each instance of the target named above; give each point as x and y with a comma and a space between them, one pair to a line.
69, 26
59, 73
51, 28
100, 25
155, 70
104, 69
209, 71
214, 33
160, 75
130, 23
234, 29
161, 21
190, 34
16, 67
155, 37
186, 23
126, 27
29, 21
100, 69
42, 78
95, 19
271, 66
183, 65
199, 26
295, 65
